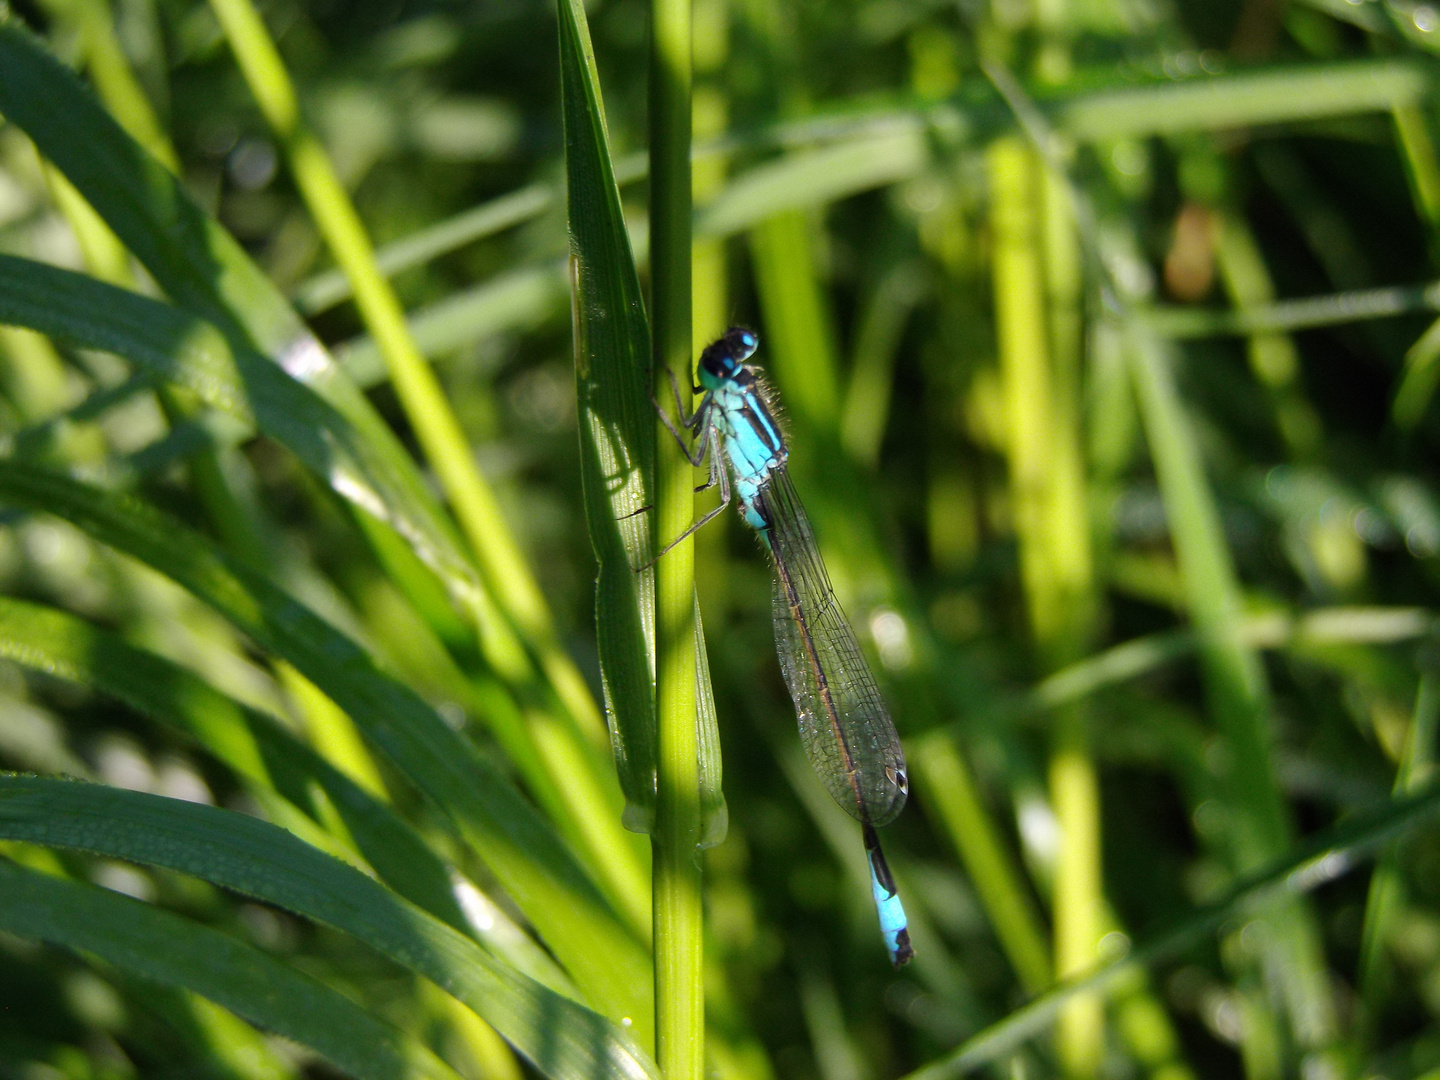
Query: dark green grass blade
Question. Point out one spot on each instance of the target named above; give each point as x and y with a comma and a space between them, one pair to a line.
258, 860
617, 434
617, 443
187, 350
154, 944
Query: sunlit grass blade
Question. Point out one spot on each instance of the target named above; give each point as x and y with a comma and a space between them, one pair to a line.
255, 859
944, 780
877, 147
184, 349
516, 300
331, 287
1386, 896
154, 944
1418, 381
191, 256
206, 272
813, 178
1283, 316
1244, 98
517, 844
438, 432
679, 912
618, 450
1039, 371
1132, 659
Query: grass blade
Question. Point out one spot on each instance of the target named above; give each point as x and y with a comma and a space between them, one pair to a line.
154, 944
617, 430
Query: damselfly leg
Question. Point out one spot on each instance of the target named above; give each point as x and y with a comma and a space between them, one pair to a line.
696, 451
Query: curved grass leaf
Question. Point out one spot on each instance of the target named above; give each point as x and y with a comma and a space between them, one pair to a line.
247, 740
815, 177
1139, 656
515, 301
518, 845
1237, 689
187, 350
1279, 95
206, 272
560, 1036
326, 289
154, 944
878, 146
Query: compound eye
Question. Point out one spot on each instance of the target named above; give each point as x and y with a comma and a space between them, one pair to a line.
747, 343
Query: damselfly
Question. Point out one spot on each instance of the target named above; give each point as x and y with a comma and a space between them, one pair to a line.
848, 735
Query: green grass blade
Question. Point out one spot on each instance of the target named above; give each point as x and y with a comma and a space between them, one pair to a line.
1282, 316
1418, 381
942, 775
436, 429
1387, 886
154, 944
515, 301
1234, 679
617, 445
1246, 98
679, 935
196, 261
1132, 659
617, 429
258, 860
811, 178
517, 844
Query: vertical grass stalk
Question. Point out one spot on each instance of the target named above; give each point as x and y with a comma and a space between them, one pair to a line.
1387, 890
679, 951
1235, 684
1038, 371
436, 427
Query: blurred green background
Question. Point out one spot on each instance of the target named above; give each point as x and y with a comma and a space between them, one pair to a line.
1106, 339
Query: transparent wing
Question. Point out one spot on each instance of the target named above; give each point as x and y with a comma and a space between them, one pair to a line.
846, 730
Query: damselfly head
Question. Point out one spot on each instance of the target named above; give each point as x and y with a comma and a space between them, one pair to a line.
723, 359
